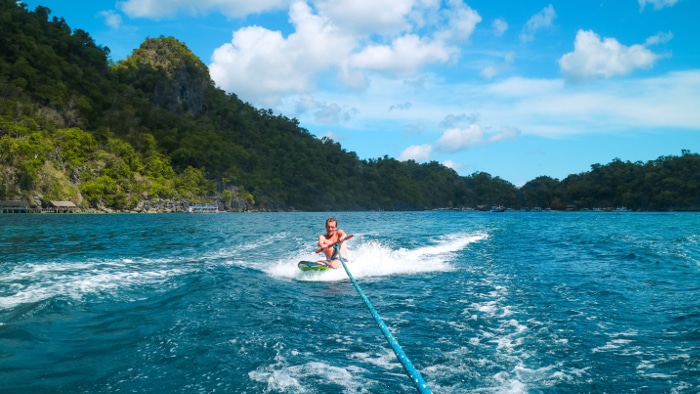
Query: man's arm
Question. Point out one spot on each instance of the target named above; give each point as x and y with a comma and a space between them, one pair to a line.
341, 235
324, 245
321, 242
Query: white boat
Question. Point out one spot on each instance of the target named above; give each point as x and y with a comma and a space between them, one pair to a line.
203, 209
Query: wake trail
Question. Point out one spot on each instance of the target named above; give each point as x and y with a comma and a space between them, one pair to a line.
374, 258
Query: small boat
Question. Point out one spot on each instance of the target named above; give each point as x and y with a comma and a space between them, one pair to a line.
498, 208
203, 209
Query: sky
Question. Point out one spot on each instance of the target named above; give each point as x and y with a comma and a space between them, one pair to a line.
517, 89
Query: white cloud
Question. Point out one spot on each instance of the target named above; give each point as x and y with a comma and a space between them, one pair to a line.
499, 27
451, 164
657, 4
261, 66
489, 72
158, 9
552, 108
660, 38
537, 22
455, 139
255, 66
461, 22
366, 17
594, 58
331, 136
112, 19
416, 152
404, 56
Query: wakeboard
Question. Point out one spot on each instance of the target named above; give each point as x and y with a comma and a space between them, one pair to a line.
312, 266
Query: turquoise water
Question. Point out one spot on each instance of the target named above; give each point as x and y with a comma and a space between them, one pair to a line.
480, 302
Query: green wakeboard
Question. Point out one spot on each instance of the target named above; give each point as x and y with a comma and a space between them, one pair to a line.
312, 266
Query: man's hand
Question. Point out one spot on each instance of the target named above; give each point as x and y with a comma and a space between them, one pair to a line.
340, 241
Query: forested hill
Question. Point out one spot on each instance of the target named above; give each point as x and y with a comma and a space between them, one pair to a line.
153, 127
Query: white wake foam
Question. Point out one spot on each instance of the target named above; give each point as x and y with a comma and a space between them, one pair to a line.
371, 258
31, 283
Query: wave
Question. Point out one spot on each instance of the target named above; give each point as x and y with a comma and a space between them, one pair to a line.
32, 282
111, 278
373, 258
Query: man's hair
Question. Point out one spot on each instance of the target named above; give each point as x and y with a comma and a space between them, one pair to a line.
331, 220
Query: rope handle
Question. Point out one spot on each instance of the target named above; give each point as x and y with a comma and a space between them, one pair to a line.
340, 241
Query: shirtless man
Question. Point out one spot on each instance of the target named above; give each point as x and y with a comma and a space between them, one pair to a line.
326, 241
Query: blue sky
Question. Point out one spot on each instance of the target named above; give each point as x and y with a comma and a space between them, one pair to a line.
518, 89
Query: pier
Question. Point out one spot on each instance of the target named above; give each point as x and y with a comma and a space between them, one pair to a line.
19, 206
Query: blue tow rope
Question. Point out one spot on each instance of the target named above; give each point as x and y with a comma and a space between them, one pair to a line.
407, 365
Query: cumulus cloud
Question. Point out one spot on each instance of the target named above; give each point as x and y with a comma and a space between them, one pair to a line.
593, 57
455, 139
416, 152
660, 38
158, 9
261, 65
657, 4
366, 17
404, 55
541, 20
451, 164
349, 40
331, 136
112, 19
499, 27
461, 22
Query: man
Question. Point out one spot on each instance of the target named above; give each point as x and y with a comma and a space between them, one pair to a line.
333, 236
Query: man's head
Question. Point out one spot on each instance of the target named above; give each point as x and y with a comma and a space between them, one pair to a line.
331, 225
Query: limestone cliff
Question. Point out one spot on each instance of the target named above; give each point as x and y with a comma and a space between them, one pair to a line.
170, 73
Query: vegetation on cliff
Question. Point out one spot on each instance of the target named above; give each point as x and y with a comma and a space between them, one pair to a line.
76, 126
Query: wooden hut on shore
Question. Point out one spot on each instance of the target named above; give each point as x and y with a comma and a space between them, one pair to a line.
14, 206
63, 206
19, 206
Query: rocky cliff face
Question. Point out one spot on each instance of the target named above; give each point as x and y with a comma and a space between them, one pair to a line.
182, 92
183, 79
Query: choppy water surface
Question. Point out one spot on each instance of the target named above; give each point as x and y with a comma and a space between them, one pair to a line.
480, 302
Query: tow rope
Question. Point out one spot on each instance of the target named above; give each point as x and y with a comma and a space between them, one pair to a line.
407, 365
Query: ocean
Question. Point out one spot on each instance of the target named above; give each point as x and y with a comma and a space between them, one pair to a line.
480, 302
